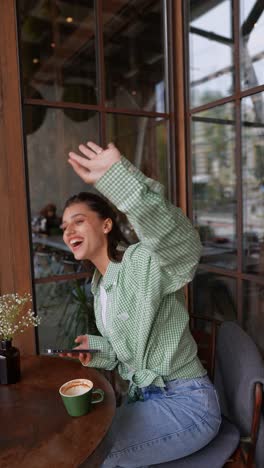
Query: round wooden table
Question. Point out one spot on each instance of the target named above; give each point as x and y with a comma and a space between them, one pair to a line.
35, 429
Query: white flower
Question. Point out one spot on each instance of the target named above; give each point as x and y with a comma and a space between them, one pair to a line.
15, 316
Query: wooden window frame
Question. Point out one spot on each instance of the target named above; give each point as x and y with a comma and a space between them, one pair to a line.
15, 235
236, 99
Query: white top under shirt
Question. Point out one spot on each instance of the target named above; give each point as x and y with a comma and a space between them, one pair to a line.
103, 300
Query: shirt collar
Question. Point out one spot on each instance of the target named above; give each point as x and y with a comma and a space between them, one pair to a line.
109, 279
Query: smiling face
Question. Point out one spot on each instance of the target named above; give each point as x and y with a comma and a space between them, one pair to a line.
85, 233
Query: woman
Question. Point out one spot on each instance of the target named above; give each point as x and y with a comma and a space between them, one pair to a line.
172, 407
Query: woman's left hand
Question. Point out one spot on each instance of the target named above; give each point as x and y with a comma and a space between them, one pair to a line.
96, 163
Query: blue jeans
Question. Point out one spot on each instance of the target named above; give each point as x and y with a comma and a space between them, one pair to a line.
168, 423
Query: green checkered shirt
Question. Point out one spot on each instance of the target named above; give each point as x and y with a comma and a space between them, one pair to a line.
147, 334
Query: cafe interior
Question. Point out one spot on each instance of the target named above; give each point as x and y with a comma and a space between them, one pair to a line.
178, 86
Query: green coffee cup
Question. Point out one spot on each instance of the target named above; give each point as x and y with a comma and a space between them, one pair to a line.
77, 396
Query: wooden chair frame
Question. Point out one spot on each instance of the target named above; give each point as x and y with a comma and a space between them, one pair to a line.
207, 355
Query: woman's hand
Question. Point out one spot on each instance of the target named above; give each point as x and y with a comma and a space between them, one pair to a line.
83, 341
85, 358
96, 163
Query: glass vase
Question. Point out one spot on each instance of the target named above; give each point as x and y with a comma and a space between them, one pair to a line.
9, 363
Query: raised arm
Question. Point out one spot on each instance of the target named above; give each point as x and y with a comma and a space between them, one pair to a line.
161, 227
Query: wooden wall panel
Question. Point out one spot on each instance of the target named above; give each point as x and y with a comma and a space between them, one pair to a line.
15, 271
180, 112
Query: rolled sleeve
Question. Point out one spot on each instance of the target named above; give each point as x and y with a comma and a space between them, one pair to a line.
105, 358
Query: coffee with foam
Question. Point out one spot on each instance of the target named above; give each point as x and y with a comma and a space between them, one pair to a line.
76, 387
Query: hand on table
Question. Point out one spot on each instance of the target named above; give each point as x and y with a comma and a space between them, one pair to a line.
85, 358
96, 163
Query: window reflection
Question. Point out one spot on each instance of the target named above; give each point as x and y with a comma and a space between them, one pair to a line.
52, 181
214, 296
211, 51
134, 54
143, 141
253, 312
58, 50
251, 43
66, 311
253, 182
51, 258
214, 184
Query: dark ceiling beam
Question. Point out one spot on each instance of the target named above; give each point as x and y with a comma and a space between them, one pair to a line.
252, 18
211, 35
223, 71
200, 7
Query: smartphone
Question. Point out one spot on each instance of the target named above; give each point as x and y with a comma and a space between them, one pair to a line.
72, 351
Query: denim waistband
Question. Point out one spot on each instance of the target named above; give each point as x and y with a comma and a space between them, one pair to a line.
145, 393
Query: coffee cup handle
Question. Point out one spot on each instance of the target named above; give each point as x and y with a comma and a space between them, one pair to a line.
100, 398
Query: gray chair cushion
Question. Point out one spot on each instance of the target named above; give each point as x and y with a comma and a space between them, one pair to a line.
239, 365
215, 454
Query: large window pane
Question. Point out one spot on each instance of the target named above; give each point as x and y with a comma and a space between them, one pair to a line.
253, 182
143, 141
253, 312
58, 50
211, 51
214, 184
251, 43
51, 134
66, 311
214, 296
134, 54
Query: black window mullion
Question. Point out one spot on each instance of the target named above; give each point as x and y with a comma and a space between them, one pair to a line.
238, 160
100, 67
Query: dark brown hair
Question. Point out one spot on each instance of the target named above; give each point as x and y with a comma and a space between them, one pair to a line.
104, 211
